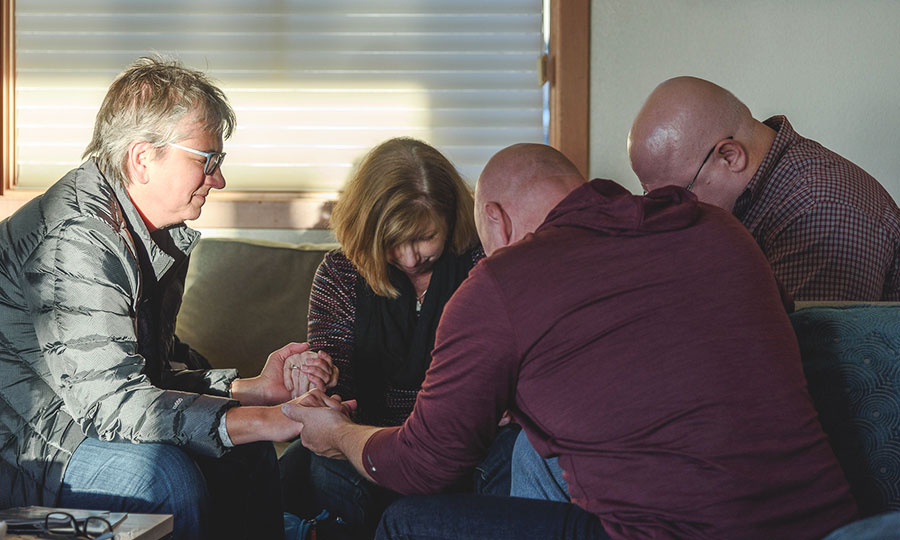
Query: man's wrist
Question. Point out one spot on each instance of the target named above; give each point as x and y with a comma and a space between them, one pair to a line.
344, 438
245, 391
350, 439
255, 423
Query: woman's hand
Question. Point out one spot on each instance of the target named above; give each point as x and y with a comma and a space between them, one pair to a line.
268, 387
308, 370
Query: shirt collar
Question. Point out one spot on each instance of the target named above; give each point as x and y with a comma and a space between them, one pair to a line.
785, 136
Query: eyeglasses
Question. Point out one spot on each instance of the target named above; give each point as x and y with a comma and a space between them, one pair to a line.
91, 527
213, 159
708, 154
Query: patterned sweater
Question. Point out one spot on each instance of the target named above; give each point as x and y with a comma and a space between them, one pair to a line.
332, 314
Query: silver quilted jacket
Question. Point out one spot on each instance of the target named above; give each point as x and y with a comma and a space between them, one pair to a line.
88, 302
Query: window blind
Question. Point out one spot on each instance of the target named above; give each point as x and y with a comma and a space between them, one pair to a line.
314, 84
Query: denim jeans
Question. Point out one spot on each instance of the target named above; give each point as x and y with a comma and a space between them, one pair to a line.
470, 517
335, 485
881, 527
492, 476
534, 477
234, 496
344, 492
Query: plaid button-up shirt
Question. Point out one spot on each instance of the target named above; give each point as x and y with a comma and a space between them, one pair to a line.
829, 230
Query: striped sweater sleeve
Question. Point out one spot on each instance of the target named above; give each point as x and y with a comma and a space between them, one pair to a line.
332, 313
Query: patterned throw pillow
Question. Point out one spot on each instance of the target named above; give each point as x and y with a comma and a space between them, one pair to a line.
851, 357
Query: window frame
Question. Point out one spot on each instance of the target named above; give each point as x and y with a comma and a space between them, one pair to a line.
567, 67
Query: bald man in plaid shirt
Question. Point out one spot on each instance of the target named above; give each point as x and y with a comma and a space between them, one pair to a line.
829, 230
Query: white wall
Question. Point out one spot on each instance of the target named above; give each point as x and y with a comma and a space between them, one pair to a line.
831, 66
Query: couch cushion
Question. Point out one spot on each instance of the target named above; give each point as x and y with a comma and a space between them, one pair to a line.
851, 357
245, 298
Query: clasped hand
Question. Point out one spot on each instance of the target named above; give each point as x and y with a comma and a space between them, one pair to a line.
322, 417
308, 370
289, 372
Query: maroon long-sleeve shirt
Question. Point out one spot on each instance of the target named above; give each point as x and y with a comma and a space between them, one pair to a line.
645, 343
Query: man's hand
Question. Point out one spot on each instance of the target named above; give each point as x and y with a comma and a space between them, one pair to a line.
321, 399
268, 388
323, 418
308, 370
327, 428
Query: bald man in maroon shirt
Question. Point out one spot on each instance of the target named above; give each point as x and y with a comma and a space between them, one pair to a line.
642, 340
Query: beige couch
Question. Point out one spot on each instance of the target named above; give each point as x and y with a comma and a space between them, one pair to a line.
245, 298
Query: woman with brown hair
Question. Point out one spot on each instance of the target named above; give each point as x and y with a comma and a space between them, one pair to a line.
406, 227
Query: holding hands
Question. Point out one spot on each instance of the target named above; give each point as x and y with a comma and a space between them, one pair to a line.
288, 373
322, 417
307, 370
268, 387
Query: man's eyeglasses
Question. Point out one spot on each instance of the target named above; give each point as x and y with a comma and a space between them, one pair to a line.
213, 159
708, 154
90, 527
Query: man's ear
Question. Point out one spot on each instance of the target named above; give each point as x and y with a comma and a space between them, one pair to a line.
500, 224
734, 153
139, 156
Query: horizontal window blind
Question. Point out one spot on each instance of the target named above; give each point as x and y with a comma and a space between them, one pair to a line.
314, 84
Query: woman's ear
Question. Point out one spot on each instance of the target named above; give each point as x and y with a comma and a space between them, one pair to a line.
138, 158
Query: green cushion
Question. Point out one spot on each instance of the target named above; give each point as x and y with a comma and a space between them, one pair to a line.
245, 298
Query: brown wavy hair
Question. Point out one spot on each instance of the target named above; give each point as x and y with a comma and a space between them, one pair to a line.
402, 188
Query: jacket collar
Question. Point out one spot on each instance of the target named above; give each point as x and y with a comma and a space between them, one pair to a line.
183, 237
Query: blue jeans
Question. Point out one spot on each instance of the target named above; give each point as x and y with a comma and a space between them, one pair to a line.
235, 496
469, 517
311, 483
881, 527
534, 477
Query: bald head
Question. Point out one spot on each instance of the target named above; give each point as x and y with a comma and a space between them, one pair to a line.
517, 189
682, 119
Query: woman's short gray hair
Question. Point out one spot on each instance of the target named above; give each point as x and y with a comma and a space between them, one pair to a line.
146, 102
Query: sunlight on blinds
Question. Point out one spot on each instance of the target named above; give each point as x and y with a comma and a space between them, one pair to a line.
314, 84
